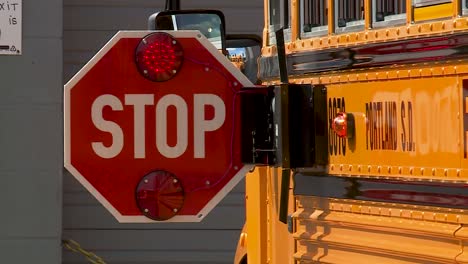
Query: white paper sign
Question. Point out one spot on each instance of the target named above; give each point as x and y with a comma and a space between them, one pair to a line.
10, 27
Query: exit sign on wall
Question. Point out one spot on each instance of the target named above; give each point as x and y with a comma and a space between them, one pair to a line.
10, 27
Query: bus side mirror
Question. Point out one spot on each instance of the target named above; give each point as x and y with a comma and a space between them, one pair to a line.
210, 23
243, 50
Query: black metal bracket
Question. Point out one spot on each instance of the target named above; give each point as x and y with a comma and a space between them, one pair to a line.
172, 5
257, 128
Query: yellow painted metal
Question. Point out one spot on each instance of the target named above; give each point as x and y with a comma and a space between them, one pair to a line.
343, 231
368, 14
280, 241
457, 8
241, 250
350, 231
266, 20
402, 128
295, 19
331, 16
256, 215
433, 12
409, 12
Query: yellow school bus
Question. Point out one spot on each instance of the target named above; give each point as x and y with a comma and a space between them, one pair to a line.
385, 177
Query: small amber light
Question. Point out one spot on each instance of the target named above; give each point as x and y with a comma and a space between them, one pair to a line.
340, 125
343, 125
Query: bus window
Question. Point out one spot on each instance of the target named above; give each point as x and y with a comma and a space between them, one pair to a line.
388, 12
349, 15
280, 16
275, 12
314, 17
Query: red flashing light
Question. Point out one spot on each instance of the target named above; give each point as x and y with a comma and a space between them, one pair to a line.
159, 57
340, 125
160, 195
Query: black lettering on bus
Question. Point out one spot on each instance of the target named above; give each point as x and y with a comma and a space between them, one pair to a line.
343, 140
335, 137
387, 127
407, 136
337, 145
338, 109
374, 124
367, 126
465, 119
382, 125
411, 144
395, 126
403, 134
330, 130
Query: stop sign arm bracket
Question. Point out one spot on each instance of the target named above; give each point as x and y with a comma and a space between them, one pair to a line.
257, 126
284, 125
278, 127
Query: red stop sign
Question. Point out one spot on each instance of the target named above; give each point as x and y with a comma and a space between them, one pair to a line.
155, 150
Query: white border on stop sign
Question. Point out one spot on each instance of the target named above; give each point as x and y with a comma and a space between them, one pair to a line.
244, 81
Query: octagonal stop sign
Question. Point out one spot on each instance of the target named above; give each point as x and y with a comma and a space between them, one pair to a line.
152, 126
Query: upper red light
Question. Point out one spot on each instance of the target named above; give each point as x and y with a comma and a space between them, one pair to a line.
159, 57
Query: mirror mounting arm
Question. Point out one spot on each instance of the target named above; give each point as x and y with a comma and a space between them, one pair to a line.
172, 5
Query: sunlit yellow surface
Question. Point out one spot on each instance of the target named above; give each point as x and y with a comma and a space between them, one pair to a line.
428, 142
433, 12
413, 130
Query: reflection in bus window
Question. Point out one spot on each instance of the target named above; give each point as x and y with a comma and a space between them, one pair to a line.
208, 24
245, 59
315, 16
280, 17
389, 10
275, 12
349, 15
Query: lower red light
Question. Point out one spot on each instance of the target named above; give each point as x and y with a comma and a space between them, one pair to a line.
159, 56
159, 195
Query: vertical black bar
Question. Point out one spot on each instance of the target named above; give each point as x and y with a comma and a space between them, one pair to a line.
320, 124
313, 9
282, 99
285, 158
285, 11
301, 126
325, 13
172, 4
284, 198
465, 119
285, 126
256, 126
281, 56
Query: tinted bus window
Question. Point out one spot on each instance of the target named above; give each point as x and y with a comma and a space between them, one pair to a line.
315, 15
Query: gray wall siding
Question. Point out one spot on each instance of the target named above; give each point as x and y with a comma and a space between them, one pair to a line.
31, 147
88, 25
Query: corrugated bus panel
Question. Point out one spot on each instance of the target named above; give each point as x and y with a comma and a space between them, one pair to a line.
330, 232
